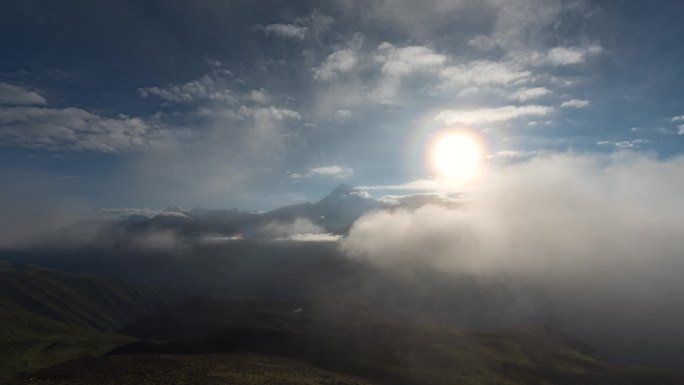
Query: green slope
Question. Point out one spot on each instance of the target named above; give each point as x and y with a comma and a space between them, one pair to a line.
29, 342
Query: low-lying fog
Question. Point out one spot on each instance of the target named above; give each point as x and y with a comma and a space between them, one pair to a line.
590, 245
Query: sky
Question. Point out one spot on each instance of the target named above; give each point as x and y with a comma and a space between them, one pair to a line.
259, 104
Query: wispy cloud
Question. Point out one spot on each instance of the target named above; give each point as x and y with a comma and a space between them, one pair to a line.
433, 185
334, 171
624, 144
76, 129
287, 31
491, 115
560, 56
207, 87
338, 62
526, 94
575, 103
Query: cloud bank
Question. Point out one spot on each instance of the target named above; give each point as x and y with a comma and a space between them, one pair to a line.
599, 237
566, 215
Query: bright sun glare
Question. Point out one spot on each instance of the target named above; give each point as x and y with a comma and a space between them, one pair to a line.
456, 156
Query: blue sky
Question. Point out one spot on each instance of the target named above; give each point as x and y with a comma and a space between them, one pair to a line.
232, 104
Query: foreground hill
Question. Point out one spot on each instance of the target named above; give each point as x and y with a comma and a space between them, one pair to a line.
29, 342
48, 316
201, 369
199, 316
222, 341
84, 300
392, 352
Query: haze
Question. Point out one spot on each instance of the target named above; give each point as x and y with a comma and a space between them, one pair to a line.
481, 165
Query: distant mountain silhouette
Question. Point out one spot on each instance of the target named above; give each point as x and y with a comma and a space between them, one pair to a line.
339, 208
332, 214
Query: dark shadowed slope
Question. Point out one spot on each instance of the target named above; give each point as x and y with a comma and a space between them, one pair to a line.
199, 316
84, 300
206, 369
360, 342
48, 316
29, 342
422, 354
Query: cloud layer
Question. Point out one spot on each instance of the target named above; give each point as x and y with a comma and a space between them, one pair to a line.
554, 215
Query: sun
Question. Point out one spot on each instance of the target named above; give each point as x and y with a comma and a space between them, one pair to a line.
456, 156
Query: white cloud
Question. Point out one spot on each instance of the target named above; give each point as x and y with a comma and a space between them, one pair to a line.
75, 129
624, 144
482, 72
260, 96
445, 73
526, 94
561, 56
270, 113
575, 103
490, 115
361, 193
207, 87
514, 154
399, 62
599, 236
342, 114
556, 216
312, 238
279, 230
338, 62
439, 185
679, 118
419, 199
12, 95
680, 129
335, 171
287, 31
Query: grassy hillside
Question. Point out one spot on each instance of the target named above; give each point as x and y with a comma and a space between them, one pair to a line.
198, 316
49, 316
423, 354
209, 369
395, 352
84, 300
29, 342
